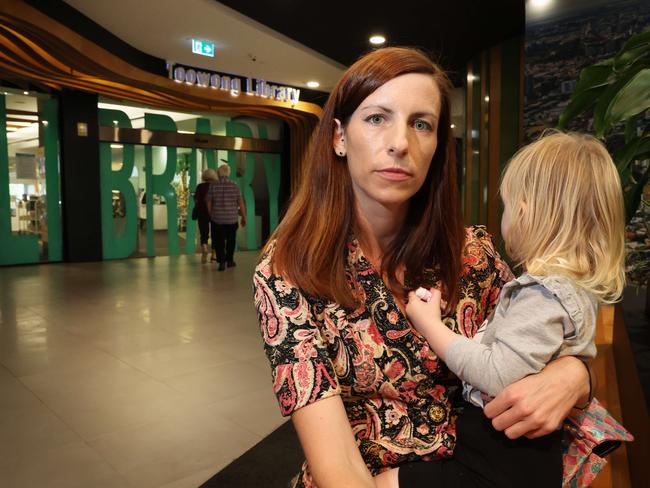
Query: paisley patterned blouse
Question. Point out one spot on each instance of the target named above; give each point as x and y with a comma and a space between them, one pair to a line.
397, 394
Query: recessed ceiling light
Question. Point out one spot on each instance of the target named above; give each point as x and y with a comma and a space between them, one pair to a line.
377, 40
313, 84
25, 93
540, 3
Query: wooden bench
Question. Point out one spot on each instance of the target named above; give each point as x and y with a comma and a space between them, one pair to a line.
618, 388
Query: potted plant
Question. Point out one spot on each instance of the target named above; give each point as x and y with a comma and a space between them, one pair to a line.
615, 93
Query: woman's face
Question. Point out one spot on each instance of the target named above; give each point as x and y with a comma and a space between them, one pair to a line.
390, 140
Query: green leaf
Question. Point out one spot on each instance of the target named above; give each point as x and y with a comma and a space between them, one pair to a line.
632, 197
630, 128
626, 58
628, 151
605, 62
625, 176
631, 152
640, 156
593, 76
593, 80
618, 153
601, 125
632, 99
637, 40
603, 104
578, 104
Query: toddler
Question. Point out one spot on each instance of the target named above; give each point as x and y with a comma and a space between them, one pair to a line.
563, 224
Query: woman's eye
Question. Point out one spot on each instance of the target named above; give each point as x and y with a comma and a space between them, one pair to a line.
375, 119
421, 125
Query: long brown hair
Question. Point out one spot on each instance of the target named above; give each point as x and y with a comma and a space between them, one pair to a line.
310, 242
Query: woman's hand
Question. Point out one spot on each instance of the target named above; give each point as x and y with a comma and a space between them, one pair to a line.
538, 404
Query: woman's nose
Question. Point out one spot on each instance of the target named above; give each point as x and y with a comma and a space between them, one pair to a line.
398, 140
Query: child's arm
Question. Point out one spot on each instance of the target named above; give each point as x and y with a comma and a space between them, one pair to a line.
521, 344
425, 317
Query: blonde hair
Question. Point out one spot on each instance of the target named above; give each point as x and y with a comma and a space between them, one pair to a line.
566, 201
223, 170
209, 175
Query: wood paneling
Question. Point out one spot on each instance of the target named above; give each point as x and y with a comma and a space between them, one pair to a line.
494, 144
618, 388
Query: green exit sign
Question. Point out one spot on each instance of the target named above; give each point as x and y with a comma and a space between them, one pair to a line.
203, 48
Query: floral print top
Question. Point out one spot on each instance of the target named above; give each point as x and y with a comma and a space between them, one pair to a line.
397, 394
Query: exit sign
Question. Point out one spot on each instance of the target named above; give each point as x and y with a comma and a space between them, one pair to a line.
203, 48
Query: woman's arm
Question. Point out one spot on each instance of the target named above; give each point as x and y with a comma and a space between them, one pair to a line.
329, 445
538, 404
305, 381
533, 406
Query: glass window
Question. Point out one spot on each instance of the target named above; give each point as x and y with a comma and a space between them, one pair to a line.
30, 228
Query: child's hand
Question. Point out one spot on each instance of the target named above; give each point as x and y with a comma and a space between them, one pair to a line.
424, 315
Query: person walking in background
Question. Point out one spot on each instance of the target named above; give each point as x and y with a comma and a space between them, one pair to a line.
224, 202
202, 214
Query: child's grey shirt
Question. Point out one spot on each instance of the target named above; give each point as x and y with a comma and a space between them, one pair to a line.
537, 319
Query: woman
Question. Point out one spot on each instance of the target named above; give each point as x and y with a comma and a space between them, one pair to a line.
377, 215
203, 216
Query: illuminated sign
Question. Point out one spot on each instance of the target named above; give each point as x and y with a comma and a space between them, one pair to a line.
234, 84
203, 48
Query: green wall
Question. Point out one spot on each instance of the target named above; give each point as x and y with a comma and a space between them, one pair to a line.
159, 172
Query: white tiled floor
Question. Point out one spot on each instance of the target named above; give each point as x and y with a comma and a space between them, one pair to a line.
134, 373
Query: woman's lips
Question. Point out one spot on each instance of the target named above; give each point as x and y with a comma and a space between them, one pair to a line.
394, 174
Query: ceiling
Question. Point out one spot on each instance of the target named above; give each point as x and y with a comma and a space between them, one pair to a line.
292, 41
452, 31
22, 116
165, 29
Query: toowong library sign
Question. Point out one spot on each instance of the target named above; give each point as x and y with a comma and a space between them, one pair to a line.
234, 84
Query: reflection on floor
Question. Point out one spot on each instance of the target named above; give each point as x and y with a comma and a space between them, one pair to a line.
160, 243
134, 373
